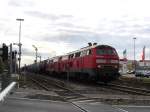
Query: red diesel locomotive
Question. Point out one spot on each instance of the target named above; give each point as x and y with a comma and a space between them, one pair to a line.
95, 62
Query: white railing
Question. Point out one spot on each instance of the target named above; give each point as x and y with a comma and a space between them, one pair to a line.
4, 93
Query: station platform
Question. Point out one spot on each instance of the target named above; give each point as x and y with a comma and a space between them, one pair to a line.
30, 105
32, 100
19, 102
36, 105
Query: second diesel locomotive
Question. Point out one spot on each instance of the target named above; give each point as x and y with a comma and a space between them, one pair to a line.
95, 62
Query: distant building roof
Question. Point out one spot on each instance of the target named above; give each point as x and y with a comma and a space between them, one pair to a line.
144, 61
124, 59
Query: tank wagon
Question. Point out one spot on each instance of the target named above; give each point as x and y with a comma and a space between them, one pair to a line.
94, 62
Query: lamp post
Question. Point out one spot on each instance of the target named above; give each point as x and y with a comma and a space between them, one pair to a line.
36, 49
19, 44
134, 51
40, 58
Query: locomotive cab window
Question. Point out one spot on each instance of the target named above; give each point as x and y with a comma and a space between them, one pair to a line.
77, 54
71, 56
89, 52
83, 53
105, 52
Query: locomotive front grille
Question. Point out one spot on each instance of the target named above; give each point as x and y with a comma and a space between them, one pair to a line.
107, 69
107, 73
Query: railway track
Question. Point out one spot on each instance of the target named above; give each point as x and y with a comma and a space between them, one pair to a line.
132, 90
64, 93
75, 97
113, 86
67, 93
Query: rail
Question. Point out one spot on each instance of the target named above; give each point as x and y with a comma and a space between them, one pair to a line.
5, 92
129, 89
45, 86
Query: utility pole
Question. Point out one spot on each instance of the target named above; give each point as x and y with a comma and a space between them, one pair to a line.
134, 52
10, 66
15, 53
19, 44
36, 49
40, 58
36, 54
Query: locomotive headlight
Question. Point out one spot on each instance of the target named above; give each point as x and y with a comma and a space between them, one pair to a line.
116, 66
98, 66
114, 61
100, 61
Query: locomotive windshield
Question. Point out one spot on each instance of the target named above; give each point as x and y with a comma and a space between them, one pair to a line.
105, 52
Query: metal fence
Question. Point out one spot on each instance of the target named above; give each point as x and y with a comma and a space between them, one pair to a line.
6, 91
6, 85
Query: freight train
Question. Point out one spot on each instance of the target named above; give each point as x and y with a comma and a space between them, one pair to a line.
94, 62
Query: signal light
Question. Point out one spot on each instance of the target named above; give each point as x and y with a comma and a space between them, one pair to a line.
5, 52
14, 54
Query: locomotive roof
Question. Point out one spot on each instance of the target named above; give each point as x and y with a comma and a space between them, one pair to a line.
82, 49
90, 47
104, 46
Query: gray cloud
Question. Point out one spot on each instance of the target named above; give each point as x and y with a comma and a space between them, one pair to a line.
64, 24
1, 26
46, 16
20, 3
29, 52
126, 27
72, 37
118, 34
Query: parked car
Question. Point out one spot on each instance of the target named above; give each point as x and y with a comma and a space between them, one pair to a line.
131, 72
146, 74
142, 72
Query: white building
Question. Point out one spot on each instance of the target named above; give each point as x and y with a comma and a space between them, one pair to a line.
144, 63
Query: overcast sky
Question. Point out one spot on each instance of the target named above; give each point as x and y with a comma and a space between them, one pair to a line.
60, 26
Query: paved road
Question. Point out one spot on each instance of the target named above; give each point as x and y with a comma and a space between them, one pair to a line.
25, 105
17, 103
28, 105
133, 108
